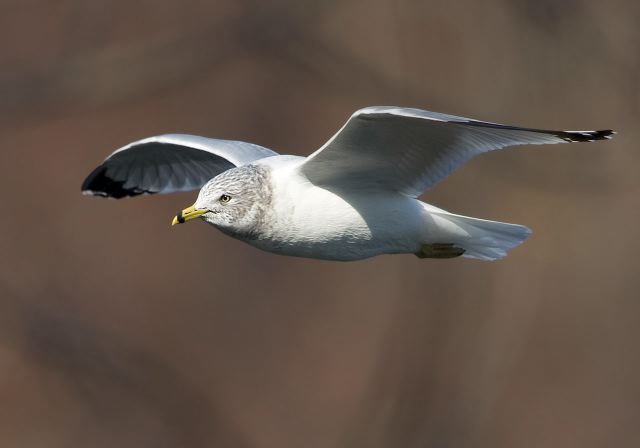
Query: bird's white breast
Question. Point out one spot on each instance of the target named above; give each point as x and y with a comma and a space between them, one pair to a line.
310, 221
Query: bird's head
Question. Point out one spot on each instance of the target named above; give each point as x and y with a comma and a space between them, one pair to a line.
235, 201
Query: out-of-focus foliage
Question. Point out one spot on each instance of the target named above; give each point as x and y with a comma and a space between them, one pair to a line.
116, 330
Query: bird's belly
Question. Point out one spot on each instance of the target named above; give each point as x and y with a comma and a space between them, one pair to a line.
324, 225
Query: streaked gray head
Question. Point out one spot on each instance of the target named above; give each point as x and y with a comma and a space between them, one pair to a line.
236, 200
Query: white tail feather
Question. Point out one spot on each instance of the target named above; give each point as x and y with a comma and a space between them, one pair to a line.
483, 239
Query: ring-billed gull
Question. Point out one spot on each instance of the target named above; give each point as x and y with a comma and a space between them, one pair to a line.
354, 198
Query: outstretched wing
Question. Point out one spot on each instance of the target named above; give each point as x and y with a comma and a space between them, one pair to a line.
168, 163
410, 150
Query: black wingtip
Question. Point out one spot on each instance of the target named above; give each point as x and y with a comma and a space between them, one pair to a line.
586, 136
99, 183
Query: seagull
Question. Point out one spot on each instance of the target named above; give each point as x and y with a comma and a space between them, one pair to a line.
354, 198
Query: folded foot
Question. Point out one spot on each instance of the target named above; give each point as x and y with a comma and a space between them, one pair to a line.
439, 250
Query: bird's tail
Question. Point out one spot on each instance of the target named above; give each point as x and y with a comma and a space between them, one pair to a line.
480, 238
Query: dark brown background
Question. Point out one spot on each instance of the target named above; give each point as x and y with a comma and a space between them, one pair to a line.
117, 330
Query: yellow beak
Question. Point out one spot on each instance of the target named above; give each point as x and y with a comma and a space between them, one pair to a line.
187, 214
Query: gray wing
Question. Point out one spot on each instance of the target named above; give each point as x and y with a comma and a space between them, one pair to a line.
411, 150
167, 164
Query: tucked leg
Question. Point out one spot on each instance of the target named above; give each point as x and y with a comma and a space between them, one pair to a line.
439, 250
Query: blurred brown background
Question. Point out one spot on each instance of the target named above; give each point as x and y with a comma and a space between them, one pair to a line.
119, 331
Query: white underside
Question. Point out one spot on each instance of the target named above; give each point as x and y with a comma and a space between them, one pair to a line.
310, 221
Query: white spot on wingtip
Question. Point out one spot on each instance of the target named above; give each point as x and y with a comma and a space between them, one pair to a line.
97, 194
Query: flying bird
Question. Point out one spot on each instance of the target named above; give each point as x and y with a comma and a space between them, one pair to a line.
356, 197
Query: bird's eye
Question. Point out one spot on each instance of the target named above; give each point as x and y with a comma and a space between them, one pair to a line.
225, 198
